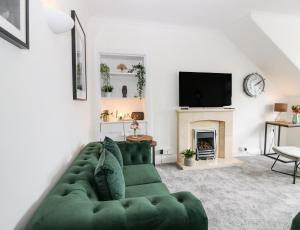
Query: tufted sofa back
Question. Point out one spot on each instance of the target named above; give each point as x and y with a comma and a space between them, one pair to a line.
80, 176
135, 152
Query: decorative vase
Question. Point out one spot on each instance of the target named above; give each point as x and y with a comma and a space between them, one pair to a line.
124, 91
188, 161
107, 94
295, 118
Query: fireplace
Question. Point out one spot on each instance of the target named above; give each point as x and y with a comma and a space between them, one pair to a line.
205, 143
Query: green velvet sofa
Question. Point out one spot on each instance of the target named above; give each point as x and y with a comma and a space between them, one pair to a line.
296, 222
73, 203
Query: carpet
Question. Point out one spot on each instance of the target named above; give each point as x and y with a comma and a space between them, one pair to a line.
245, 197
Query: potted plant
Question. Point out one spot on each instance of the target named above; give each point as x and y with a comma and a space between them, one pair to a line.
188, 157
107, 90
104, 116
140, 74
296, 111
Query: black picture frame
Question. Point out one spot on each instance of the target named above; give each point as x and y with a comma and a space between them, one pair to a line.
79, 74
8, 35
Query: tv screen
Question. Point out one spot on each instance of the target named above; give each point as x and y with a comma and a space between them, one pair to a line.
205, 89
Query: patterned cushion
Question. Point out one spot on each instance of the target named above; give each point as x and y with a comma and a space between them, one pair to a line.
109, 177
112, 147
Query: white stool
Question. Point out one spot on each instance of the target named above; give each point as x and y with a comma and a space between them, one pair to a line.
290, 152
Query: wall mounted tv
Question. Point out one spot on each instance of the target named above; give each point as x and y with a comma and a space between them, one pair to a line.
205, 89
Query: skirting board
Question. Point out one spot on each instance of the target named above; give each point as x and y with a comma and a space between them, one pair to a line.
165, 158
210, 164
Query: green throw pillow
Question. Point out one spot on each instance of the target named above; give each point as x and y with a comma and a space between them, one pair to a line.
109, 177
112, 147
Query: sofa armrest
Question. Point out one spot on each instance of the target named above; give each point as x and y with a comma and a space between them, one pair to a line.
135, 152
180, 211
296, 222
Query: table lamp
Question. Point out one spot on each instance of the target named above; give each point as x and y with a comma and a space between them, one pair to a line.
281, 108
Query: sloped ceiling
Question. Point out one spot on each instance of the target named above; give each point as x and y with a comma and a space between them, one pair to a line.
272, 47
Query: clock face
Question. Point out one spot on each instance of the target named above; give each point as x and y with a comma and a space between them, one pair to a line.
254, 85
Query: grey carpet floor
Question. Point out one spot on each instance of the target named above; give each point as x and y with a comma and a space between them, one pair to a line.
246, 197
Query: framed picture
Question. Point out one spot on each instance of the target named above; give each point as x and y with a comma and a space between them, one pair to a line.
79, 60
14, 22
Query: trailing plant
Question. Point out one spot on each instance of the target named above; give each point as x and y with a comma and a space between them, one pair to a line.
107, 88
189, 153
140, 74
105, 73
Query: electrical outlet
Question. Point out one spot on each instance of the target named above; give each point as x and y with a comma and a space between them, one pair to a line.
243, 149
164, 151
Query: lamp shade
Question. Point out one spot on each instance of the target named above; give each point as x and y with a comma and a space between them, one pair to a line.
58, 21
280, 107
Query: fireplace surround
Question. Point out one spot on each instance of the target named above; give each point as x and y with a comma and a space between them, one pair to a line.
218, 119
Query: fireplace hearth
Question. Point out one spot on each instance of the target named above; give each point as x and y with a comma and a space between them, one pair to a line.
205, 143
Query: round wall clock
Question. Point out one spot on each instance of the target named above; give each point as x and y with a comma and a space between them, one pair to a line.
254, 84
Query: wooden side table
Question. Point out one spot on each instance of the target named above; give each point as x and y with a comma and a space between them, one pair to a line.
139, 138
279, 124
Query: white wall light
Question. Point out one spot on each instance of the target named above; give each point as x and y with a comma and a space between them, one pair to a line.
58, 21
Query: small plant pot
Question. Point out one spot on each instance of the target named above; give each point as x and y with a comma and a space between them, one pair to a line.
107, 94
188, 161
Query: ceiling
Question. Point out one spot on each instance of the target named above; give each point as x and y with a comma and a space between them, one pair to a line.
209, 13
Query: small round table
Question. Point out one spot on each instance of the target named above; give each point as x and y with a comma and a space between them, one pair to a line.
139, 138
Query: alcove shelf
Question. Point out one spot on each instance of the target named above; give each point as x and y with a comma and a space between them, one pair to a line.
119, 78
122, 74
116, 103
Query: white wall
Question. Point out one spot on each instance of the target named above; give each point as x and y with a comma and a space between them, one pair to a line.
170, 49
42, 128
283, 30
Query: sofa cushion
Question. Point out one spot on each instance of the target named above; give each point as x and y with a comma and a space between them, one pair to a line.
146, 190
109, 177
112, 147
140, 174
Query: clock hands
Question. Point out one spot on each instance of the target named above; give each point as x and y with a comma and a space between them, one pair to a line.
259, 82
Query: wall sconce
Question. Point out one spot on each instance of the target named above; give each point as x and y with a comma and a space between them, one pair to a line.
58, 21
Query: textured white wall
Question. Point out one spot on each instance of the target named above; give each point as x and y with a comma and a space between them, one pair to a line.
42, 128
170, 49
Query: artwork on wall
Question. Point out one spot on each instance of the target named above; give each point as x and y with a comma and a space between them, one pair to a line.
14, 22
79, 60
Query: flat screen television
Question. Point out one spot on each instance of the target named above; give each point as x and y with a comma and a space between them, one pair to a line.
205, 89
